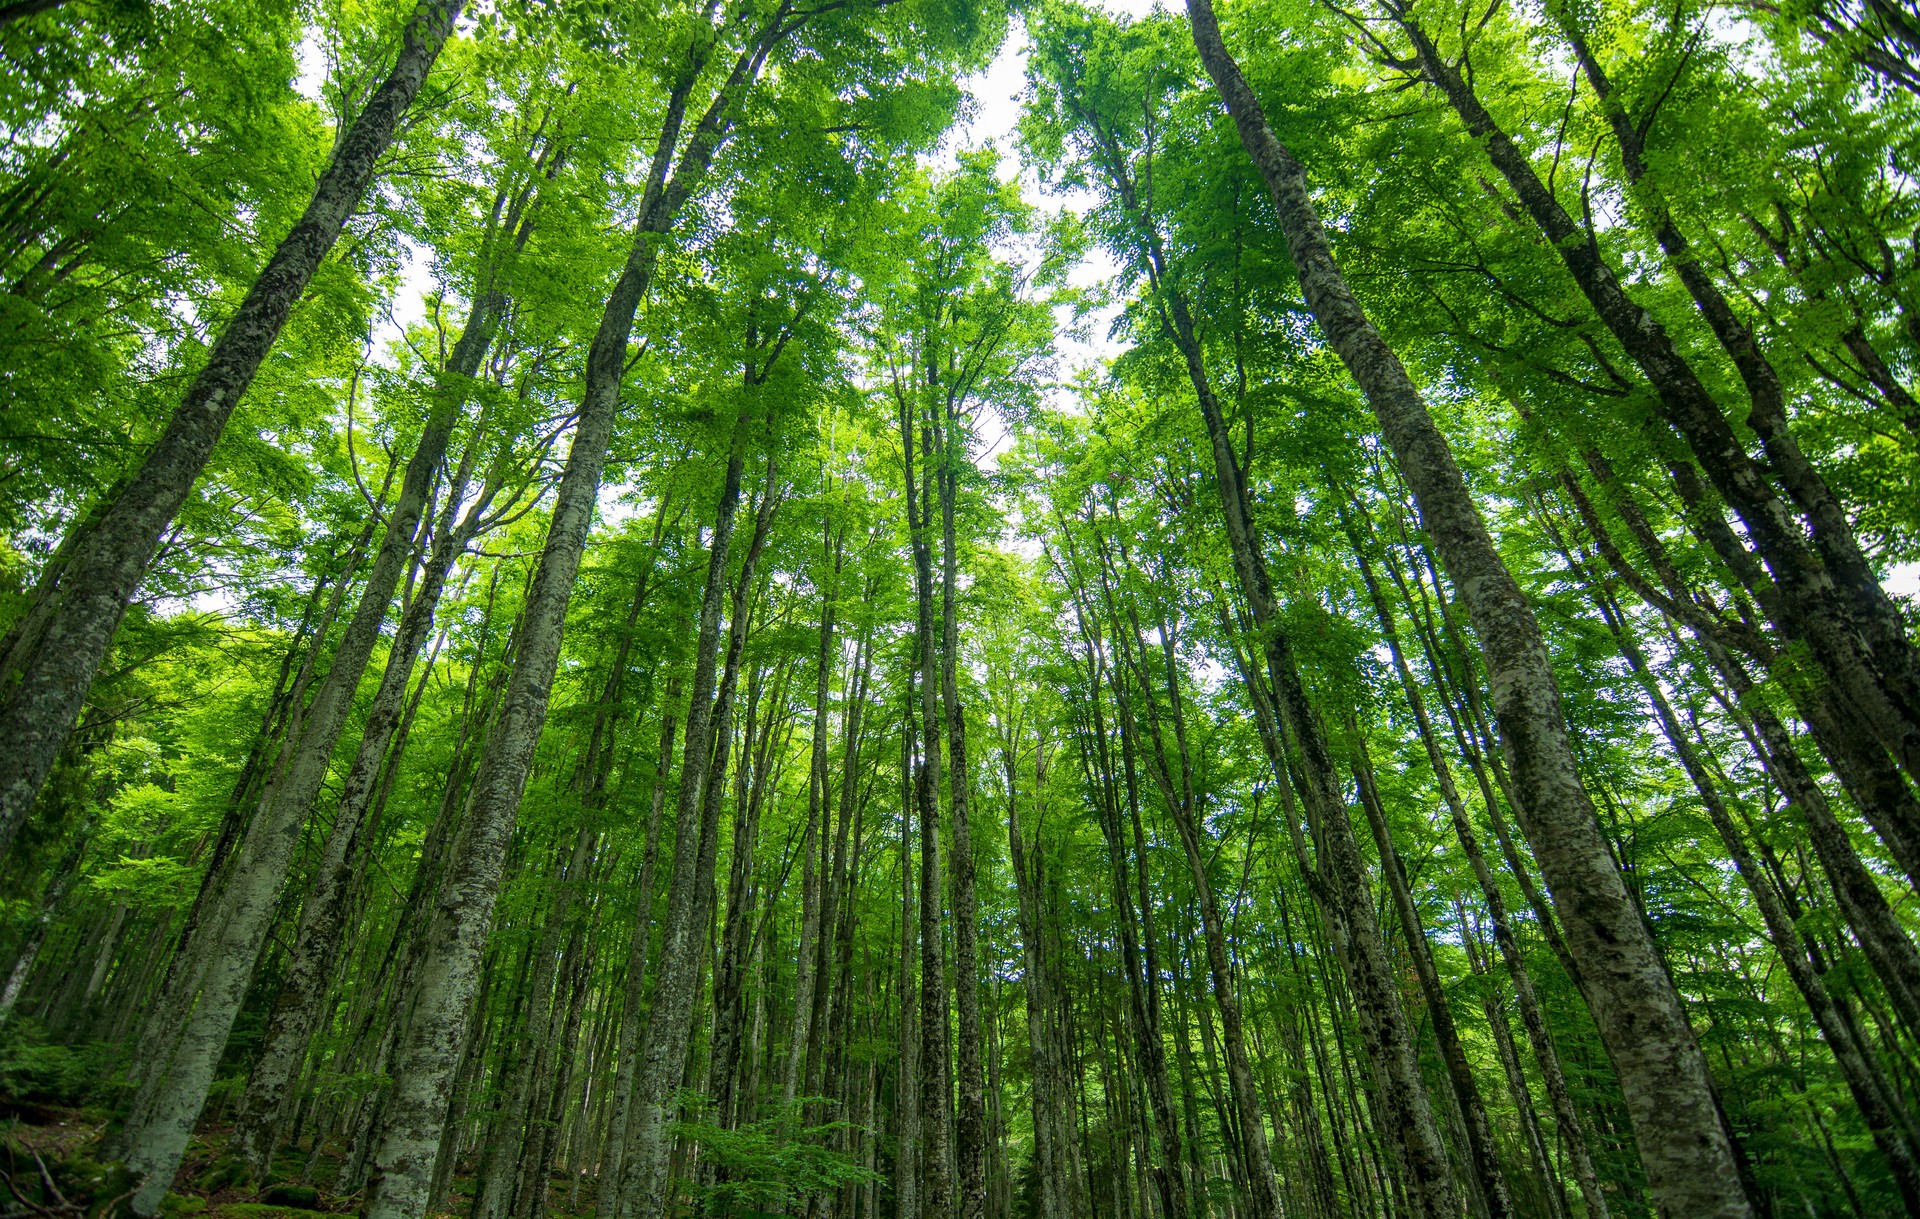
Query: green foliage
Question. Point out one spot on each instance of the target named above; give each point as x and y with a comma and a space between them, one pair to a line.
769, 1169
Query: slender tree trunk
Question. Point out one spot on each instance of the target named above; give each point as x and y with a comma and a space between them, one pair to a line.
632, 1022
1039, 999
1692, 1167
806, 976
664, 1056
935, 1148
1466, 1091
96, 585
906, 1107
1891, 657
157, 1143
1886, 1116
322, 915
1572, 1134
416, 1109
971, 1132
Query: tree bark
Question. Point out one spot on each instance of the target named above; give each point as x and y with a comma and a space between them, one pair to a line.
1692, 1168
1572, 1134
309, 971
806, 976
39, 712
1466, 1090
416, 1109
664, 1057
971, 1133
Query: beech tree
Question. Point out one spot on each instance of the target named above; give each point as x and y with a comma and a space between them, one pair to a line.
687, 609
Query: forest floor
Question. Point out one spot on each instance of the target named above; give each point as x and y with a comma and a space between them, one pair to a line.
49, 1170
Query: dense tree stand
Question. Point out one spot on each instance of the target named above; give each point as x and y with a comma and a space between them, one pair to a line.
690, 611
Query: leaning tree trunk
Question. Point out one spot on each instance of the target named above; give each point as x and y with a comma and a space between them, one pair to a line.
1692, 1168
303, 986
155, 1146
1572, 1134
101, 578
1893, 659
1479, 1129
1341, 888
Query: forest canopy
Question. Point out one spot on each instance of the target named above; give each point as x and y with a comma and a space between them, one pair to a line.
616, 610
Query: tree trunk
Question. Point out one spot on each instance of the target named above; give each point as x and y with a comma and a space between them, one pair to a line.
906, 1106
971, 1133
936, 1090
1688, 1152
806, 976
1466, 1091
40, 711
322, 920
156, 1144
416, 1108
1572, 1135
664, 1057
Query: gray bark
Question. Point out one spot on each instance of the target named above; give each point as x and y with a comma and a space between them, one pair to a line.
970, 1127
231, 945
1572, 1133
632, 1020
416, 1109
935, 1149
806, 977
1692, 1168
296, 1009
906, 1106
97, 584
664, 1060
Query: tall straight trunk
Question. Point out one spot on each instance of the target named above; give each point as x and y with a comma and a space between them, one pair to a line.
736, 948
971, 1133
536, 1165
322, 915
936, 1182
1466, 1090
840, 904
1141, 969
632, 1025
170, 1010
1692, 1167
1261, 1183
100, 579
155, 1146
1048, 1155
372, 1043
416, 1109
683, 952
906, 1108
1572, 1134
1507, 1051
807, 971
515, 1128
1342, 885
